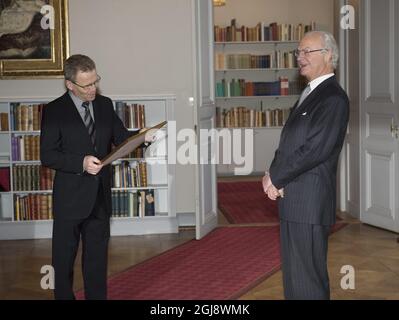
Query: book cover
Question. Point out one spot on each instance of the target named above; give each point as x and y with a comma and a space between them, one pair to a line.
5, 179
149, 203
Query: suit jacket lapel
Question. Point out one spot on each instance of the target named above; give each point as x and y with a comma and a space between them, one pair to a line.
313, 95
292, 111
305, 102
97, 120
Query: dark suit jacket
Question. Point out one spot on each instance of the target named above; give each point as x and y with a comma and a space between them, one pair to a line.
64, 143
305, 163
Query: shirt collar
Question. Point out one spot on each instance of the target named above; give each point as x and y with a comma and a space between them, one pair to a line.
76, 100
315, 82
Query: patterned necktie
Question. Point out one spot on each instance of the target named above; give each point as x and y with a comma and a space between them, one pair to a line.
305, 93
89, 123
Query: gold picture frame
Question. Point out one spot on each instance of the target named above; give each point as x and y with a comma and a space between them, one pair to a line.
48, 34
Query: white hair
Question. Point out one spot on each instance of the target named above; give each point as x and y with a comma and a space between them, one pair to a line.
329, 44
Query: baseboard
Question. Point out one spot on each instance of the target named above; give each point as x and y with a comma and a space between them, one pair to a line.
186, 219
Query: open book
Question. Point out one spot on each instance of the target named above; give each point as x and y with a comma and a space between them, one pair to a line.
130, 144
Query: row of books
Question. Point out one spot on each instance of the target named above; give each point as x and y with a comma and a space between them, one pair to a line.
239, 117
26, 117
129, 174
33, 207
133, 204
4, 122
32, 178
241, 87
25, 148
137, 153
132, 116
262, 32
278, 59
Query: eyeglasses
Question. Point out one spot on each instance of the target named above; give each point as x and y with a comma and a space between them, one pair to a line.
88, 86
306, 52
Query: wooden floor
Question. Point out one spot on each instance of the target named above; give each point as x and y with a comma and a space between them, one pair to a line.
21, 261
374, 254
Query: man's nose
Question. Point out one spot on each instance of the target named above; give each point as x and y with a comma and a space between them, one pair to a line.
301, 57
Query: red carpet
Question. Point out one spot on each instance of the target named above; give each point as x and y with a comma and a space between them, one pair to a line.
245, 202
338, 225
223, 265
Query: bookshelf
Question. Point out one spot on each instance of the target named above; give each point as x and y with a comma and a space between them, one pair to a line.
143, 197
257, 82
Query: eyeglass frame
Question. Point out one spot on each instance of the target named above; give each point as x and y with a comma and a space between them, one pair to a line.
306, 52
87, 86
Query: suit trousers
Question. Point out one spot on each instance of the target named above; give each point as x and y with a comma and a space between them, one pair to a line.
304, 260
94, 231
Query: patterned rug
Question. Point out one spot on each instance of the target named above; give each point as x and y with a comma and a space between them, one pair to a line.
223, 265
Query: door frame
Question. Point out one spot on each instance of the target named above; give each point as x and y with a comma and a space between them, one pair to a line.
203, 103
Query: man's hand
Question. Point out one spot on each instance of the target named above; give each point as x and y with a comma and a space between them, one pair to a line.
273, 193
266, 182
149, 135
270, 189
92, 165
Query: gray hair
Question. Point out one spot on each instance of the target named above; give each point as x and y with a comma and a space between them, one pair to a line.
76, 63
329, 44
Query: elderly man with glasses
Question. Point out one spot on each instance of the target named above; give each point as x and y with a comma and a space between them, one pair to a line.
78, 129
303, 171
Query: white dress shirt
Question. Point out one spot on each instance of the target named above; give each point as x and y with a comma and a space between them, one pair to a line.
315, 82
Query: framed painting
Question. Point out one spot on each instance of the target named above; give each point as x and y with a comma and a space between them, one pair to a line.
33, 38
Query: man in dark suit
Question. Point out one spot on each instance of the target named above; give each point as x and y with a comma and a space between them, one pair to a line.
304, 168
77, 130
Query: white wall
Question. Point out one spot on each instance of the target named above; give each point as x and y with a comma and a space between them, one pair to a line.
140, 47
250, 12
144, 47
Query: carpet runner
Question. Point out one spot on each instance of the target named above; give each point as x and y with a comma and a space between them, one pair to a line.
245, 202
223, 265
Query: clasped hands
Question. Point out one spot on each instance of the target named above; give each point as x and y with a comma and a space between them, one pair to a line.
92, 165
272, 192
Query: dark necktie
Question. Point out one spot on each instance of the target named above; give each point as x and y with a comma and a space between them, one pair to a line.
89, 123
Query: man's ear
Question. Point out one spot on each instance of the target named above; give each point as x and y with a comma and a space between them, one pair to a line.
328, 57
68, 84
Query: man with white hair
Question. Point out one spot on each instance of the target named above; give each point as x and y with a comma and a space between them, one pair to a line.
303, 171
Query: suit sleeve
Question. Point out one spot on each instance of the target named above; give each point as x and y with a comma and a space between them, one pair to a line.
328, 126
51, 153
